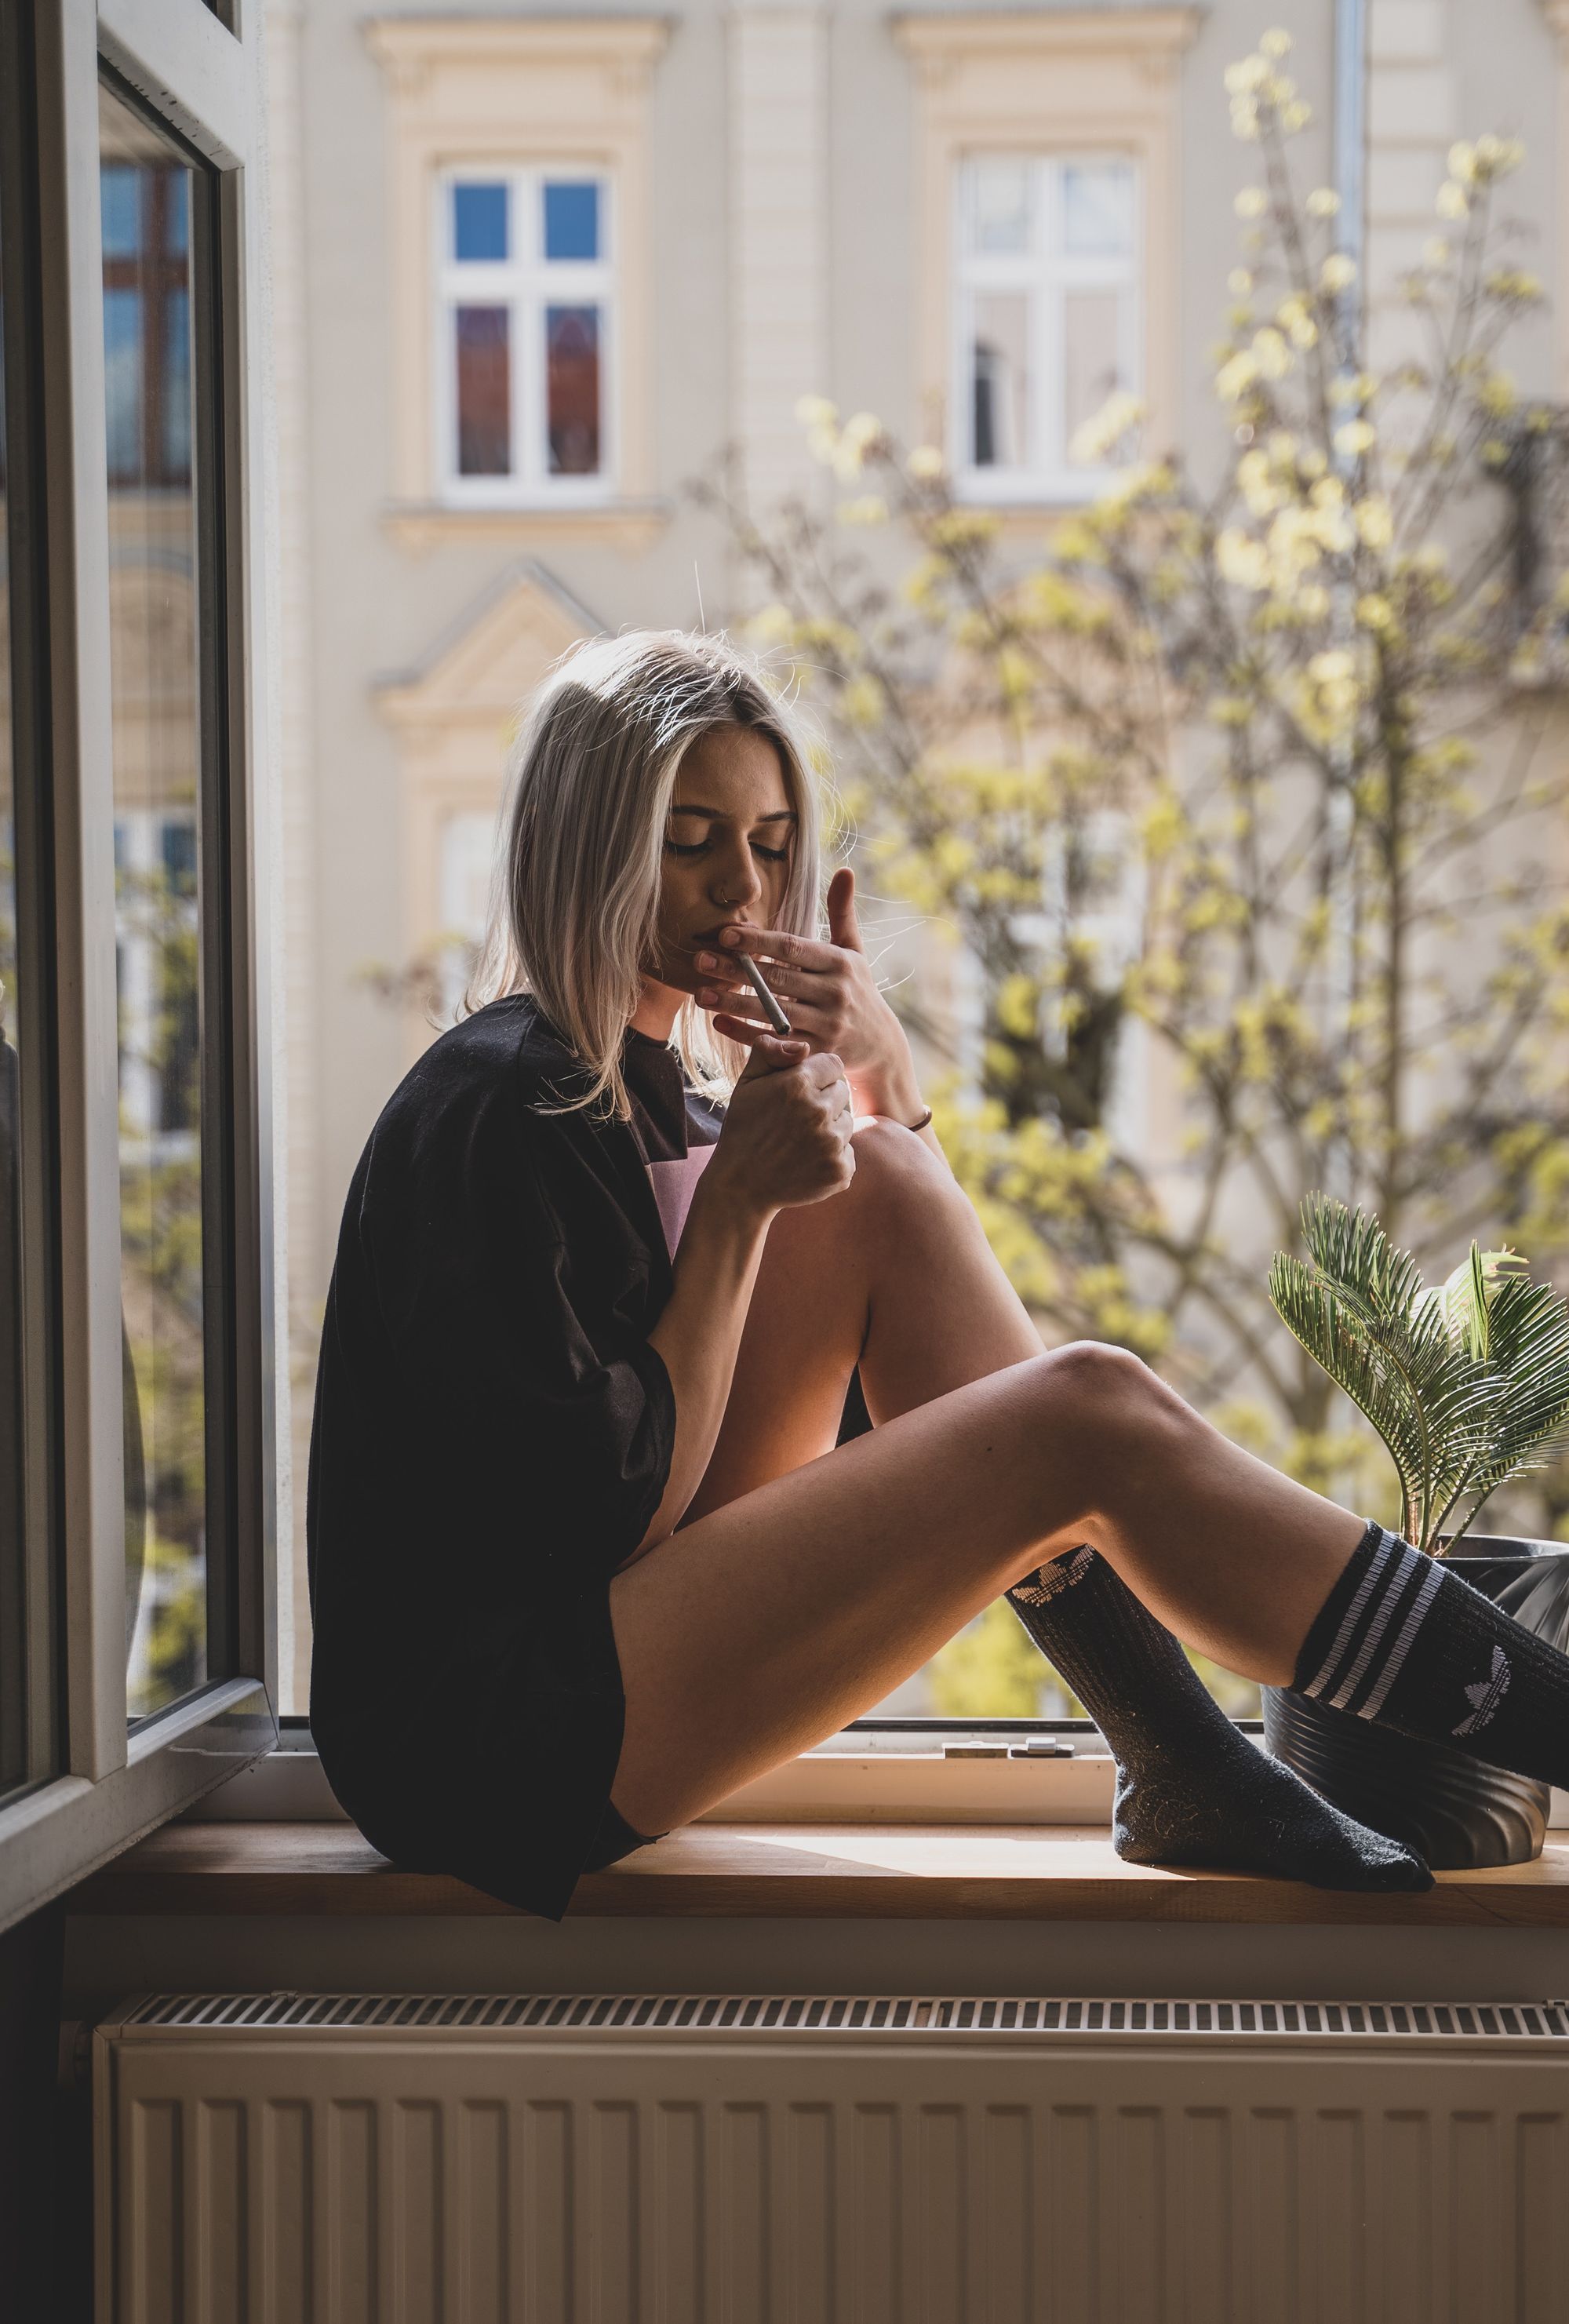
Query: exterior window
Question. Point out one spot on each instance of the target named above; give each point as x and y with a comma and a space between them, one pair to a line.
527, 297
1046, 324
159, 905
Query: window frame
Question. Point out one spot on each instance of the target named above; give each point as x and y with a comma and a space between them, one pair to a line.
111, 1782
525, 285
1045, 277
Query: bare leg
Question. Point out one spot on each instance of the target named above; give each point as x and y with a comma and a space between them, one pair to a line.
792, 1600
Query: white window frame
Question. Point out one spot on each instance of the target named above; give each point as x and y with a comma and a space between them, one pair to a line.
100, 1782
1045, 274
525, 284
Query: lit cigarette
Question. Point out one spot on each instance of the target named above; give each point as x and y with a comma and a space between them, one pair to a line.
770, 1008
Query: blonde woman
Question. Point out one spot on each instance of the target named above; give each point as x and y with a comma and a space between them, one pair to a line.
585, 1555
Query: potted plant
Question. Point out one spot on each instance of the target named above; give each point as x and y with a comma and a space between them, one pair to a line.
1467, 1384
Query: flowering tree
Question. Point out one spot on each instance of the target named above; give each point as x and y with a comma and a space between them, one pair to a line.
1234, 801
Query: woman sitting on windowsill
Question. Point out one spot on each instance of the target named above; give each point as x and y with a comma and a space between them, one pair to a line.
585, 1554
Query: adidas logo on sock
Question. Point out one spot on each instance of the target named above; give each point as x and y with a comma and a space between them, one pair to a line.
1052, 1579
1486, 1695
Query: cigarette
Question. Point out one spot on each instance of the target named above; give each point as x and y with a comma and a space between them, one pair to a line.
770, 1008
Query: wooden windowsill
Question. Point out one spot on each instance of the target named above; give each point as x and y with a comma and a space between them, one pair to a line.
784, 1871
630, 526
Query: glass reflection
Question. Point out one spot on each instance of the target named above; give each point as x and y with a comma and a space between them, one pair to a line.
146, 192
12, 1649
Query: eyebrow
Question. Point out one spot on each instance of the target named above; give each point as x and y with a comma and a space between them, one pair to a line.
719, 814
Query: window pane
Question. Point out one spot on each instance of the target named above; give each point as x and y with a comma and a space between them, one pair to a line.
484, 394
572, 221
1097, 209
1000, 380
479, 222
153, 622
999, 206
572, 389
1090, 347
12, 1544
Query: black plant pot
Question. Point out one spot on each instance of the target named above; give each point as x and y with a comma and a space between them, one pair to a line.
1457, 1813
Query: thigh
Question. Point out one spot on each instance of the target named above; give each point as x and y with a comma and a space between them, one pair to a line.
802, 1339
765, 1625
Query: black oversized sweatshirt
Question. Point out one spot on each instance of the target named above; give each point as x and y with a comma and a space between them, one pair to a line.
493, 1435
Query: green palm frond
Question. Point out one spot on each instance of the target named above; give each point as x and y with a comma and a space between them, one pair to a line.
1466, 1382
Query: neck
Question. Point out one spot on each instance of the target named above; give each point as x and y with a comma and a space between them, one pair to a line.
659, 1006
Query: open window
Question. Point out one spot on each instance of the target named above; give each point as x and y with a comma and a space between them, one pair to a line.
135, 1423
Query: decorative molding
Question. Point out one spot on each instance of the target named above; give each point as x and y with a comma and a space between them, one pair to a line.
630, 526
455, 716
514, 89
1101, 79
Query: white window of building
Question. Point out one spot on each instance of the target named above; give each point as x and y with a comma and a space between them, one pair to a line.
526, 325
1046, 323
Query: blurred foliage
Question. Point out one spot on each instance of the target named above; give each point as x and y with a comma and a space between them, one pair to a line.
1232, 802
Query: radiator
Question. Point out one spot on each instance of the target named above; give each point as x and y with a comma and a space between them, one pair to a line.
345, 2159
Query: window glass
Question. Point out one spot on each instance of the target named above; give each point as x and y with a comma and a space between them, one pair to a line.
479, 222
572, 389
159, 904
13, 1542
1097, 210
1045, 318
1092, 359
999, 206
999, 373
484, 425
571, 221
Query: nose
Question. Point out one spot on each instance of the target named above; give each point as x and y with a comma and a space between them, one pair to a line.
735, 879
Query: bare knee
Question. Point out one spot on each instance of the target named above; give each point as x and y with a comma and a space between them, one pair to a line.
895, 1169
1103, 1405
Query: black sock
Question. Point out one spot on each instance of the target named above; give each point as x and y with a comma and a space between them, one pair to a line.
1402, 1639
1190, 1788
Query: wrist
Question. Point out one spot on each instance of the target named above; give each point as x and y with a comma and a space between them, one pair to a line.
726, 1202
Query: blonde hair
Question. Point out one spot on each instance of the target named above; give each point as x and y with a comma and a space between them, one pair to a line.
575, 901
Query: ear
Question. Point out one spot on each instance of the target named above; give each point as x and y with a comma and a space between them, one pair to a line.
844, 927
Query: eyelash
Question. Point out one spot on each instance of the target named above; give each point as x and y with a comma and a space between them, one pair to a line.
701, 847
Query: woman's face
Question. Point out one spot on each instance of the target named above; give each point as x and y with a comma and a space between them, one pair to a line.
728, 847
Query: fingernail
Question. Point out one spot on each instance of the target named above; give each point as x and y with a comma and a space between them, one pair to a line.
731, 936
707, 960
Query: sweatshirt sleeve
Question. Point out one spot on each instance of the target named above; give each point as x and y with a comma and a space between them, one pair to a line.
550, 1417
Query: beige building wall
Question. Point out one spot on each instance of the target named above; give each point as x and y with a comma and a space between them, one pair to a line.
776, 216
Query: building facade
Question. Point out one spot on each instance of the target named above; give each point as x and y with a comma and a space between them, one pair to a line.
534, 274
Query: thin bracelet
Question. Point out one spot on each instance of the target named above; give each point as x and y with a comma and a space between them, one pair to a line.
922, 1123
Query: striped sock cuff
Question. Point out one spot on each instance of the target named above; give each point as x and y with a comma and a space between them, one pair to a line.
1377, 1609
1052, 1579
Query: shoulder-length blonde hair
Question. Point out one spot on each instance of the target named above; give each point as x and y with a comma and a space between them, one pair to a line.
575, 900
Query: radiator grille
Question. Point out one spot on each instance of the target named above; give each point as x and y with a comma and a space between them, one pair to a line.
623, 2013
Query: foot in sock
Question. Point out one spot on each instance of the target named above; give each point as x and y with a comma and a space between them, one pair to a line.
1191, 1790
1403, 1641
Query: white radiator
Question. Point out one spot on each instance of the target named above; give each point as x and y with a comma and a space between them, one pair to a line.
293, 2159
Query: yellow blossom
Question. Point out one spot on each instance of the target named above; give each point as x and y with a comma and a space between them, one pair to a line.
1452, 201
1375, 521
861, 701
1436, 252
926, 464
1375, 612
1462, 163
1105, 430
871, 508
1295, 116
1245, 76
1234, 379
1323, 202
1251, 203
1239, 282
1245, 120
1338, 273
1271, 353
1242, 560
1275, 43
771, 626
1497, 396
816, 411
1354, 437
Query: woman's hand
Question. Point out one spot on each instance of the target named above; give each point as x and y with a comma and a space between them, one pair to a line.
786, 1139
831, 998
